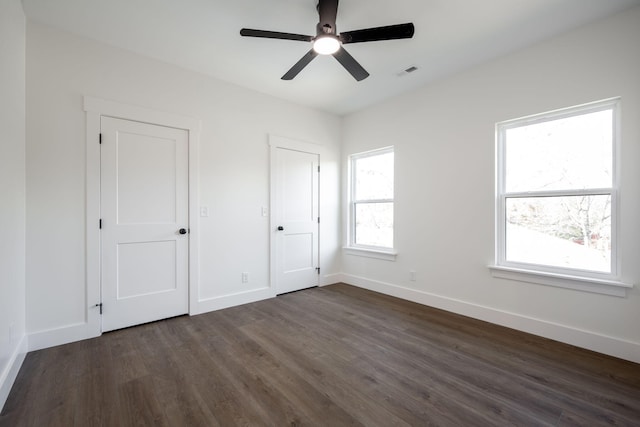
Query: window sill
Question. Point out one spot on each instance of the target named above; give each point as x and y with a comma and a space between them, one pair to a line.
598, 286
370, 253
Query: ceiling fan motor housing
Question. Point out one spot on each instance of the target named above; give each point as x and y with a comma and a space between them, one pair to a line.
325, 29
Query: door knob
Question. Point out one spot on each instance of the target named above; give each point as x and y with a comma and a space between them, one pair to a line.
280, 228
182, 231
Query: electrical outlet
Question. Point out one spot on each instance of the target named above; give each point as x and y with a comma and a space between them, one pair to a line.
412, 275
245, 277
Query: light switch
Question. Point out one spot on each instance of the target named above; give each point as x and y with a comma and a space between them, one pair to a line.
204, 211
265, 211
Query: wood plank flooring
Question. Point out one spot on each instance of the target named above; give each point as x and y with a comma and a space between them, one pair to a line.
329, 356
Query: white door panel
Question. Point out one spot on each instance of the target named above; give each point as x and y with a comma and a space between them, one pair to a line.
298, 251
137, 272
146, 190
144, 204
296, 201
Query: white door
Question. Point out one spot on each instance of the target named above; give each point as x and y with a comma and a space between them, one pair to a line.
144, 215
296, 220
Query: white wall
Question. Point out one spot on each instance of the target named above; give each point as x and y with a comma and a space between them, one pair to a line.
233, 170
444, 139
13, 342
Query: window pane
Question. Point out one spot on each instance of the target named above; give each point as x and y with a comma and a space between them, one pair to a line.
571, 153
374, 224
568, 232
374, 177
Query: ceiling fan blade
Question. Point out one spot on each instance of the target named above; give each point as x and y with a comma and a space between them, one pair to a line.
328, 10
248, 32
304, 61
351, 65
390, 32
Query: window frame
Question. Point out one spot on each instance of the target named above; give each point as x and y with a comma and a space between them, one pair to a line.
382, 252
545, 274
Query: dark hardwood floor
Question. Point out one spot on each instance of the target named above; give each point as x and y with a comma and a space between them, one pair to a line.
329, 356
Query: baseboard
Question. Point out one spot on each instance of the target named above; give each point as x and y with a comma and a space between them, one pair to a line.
330, 279
226, 301
580, 338
10, 372
63, 335
82, 331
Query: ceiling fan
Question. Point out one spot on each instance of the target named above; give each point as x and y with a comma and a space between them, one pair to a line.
328, 42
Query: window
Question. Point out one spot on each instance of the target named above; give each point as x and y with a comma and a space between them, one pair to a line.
557, 192
371, 201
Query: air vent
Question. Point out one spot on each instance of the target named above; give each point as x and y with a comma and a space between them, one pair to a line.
407, 71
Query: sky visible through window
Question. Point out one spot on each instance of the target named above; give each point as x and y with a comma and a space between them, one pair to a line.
564, 154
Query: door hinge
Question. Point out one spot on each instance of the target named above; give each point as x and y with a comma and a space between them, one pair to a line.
318, 168
318, 220
99, 305
100, 224
100, 139
318, 270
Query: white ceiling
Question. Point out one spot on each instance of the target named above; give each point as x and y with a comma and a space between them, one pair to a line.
203, 35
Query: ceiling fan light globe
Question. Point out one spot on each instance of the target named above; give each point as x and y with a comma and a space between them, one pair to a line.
326, 45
